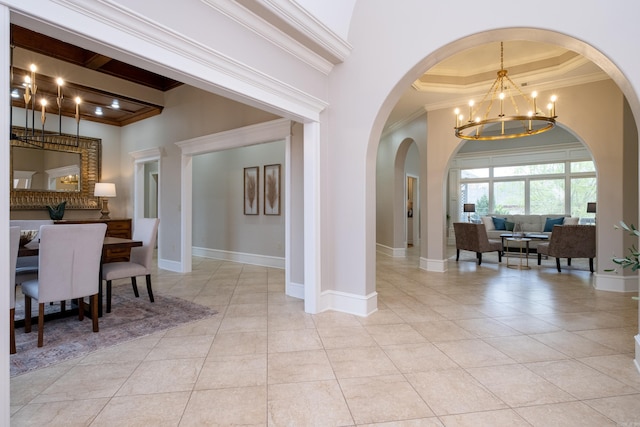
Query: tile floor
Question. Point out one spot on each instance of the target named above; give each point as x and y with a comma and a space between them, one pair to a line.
476, 346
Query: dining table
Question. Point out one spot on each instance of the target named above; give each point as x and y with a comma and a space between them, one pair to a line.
32, 249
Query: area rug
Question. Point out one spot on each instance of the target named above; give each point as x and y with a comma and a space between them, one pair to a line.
130, 318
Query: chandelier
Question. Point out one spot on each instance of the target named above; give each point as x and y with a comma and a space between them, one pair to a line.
488, 120
38, 100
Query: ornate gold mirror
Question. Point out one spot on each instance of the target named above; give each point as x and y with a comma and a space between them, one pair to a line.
46, 171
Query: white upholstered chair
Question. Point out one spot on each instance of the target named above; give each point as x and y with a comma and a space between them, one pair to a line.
14, 243
69, 268
27, 266
146, 230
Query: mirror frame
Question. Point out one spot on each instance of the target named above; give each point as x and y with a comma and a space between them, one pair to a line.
90, 150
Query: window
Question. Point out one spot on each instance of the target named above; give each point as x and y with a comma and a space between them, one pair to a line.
544, 188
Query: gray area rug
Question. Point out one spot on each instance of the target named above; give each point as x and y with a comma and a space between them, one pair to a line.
130, 318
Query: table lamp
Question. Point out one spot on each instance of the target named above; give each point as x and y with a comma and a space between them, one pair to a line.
469, 207
591, 208
105, 190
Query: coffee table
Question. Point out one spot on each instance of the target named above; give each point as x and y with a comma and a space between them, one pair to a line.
520, 242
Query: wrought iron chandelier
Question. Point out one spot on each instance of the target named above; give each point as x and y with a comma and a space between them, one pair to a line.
504, 95
30, 89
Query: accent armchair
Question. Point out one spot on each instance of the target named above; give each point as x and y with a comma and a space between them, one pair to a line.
570, 241
473, 237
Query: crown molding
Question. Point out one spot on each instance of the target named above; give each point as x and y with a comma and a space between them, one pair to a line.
210, 67
306, 28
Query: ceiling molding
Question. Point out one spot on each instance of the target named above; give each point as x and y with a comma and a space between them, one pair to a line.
290, 18
232, 78
252, 22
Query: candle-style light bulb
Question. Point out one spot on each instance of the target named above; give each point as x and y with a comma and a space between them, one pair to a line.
27, 89
33, 69
534, 95
530, 114
553, 105
43, 117
457, 113
470, 110
78, 102
59, 82
501, 96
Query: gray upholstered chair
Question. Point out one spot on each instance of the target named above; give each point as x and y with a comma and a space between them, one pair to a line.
14, 243
473, 237
29, 264
570, 241
69, 269
146, 230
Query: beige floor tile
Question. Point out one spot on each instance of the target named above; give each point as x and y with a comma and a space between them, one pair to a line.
528, 324
332, 319
453, 391
442, 330
243, 324
346, 337
501, 418
360, 362
162, 376
484, 327
394, 334
233, 344
244, 406
164, 409
573, 344
88, 382
69, 413
294, 340
208, 326
24, 388
473, 353
286, 320
624, 410
522, 348
618, 366
580, 380
299, 366
619, 339
417, 422
381, 399
518, 386
233, 371
570, 414
418, 357
317, 403
181, 347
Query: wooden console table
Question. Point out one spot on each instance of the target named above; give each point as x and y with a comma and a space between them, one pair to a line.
115, 228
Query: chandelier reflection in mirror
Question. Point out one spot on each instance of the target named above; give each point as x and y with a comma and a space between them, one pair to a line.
38, 100
488, 120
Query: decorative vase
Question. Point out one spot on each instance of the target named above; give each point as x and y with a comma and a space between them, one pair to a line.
57, 212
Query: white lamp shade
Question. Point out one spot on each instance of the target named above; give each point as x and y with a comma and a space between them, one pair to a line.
105, 189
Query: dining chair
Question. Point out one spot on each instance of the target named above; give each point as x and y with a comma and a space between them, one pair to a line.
14, 244
29, 264
145, 230
69, 269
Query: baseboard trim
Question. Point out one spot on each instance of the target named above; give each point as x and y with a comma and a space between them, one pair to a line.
175, 266
615, 283
295, 290
358, 305
392, 252
435, 265
244, 258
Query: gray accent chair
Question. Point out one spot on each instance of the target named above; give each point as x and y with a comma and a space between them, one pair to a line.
570, 241
473, 237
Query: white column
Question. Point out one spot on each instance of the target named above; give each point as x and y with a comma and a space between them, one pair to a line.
312, 229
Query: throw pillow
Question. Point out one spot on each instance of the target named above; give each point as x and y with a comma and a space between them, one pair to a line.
571, 220
499, 223
488, 223
550, 222
509, 225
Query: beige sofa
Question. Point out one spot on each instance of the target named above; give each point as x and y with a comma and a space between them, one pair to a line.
528, 224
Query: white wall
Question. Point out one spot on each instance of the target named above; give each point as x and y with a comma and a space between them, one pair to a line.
219, 222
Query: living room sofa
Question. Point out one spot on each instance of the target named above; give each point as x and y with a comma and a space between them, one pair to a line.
497, 224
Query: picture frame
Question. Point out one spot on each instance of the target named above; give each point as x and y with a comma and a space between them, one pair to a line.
251, 190
272, 189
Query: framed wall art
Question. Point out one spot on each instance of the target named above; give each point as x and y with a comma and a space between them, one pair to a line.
272, 189
251, 181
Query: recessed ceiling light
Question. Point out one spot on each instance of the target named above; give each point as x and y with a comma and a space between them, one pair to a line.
14, 93
99, 111
115, 104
